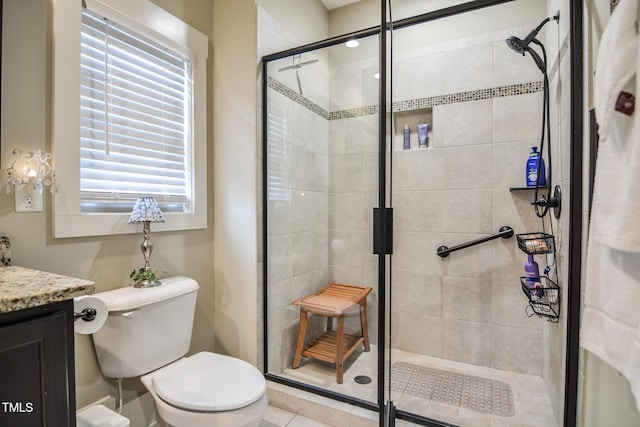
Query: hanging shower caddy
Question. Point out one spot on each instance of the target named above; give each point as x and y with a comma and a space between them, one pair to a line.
544, 301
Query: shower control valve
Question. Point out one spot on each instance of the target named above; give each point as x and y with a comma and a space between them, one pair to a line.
554, 201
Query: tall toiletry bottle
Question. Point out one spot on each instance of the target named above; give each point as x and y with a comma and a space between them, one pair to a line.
532, 168
407, 137
532, 273
423, 135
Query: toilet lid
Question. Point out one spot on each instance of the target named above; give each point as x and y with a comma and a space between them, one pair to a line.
209, 382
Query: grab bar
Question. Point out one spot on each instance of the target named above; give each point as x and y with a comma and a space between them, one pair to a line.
504, 232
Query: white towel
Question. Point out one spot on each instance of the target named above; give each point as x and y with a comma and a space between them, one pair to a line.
617, 201
611, 316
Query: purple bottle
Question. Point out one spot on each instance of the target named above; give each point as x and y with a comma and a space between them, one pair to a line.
532, 273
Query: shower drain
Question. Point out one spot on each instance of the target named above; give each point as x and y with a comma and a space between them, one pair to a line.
466, 391
362, 379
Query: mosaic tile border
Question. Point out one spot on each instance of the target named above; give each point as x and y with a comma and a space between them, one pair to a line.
296, 97
411, 104
472, 95
427, 102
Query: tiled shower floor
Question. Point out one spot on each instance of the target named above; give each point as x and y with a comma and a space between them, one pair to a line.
531, 403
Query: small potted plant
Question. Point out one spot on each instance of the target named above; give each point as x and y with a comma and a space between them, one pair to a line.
145, 278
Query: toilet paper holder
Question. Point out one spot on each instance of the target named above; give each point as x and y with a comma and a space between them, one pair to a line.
92, 310
88, 314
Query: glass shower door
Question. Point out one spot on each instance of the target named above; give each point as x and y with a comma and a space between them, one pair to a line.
321, 184
466, 112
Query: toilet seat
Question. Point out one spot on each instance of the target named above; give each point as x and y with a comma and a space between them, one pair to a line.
209, 382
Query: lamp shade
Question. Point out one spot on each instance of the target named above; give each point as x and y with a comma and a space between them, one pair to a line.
146, 209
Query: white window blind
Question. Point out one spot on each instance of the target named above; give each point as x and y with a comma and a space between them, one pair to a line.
136, 113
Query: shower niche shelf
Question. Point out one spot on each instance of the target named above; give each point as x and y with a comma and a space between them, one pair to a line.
413, 118
544, 302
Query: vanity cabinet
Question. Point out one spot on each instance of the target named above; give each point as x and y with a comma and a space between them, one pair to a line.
37, 381
37, 366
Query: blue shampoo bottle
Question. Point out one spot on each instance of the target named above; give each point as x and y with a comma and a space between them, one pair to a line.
532, 168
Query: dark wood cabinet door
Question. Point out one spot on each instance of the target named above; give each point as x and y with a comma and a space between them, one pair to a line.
35, 387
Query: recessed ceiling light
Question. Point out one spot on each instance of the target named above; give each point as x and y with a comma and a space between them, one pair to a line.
376, 76
352, 43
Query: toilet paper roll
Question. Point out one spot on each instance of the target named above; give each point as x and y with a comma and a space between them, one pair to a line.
89, 327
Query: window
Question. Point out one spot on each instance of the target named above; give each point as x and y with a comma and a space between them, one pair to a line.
135, 110
139, 126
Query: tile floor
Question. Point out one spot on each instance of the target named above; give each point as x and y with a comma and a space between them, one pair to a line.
276, 417
532, 404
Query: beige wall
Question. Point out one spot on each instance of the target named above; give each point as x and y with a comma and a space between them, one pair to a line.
228, 322
307, 20
107, 260
235, 178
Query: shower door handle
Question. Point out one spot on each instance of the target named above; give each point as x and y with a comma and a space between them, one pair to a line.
383, 231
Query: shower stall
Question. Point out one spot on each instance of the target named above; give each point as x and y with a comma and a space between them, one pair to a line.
350, 197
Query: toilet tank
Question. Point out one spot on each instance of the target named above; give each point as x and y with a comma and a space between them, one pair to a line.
147, 328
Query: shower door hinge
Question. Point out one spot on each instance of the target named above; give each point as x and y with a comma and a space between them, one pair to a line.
383, 231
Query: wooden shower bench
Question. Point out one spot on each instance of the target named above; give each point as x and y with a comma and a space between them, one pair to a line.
336, 300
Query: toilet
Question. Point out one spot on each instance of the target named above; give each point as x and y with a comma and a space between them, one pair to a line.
147, 334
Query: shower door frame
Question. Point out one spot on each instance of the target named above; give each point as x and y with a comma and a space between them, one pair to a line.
576, 42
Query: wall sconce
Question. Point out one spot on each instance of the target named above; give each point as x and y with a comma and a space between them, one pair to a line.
28, 175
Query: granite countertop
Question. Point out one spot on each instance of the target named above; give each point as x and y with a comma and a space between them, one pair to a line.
25, 288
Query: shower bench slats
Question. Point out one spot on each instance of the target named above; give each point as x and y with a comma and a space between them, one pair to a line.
336, 300
324, 347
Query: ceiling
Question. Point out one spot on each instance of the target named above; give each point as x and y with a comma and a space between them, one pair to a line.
334, 4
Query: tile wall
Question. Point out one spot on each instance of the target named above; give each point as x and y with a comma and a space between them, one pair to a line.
486, 104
